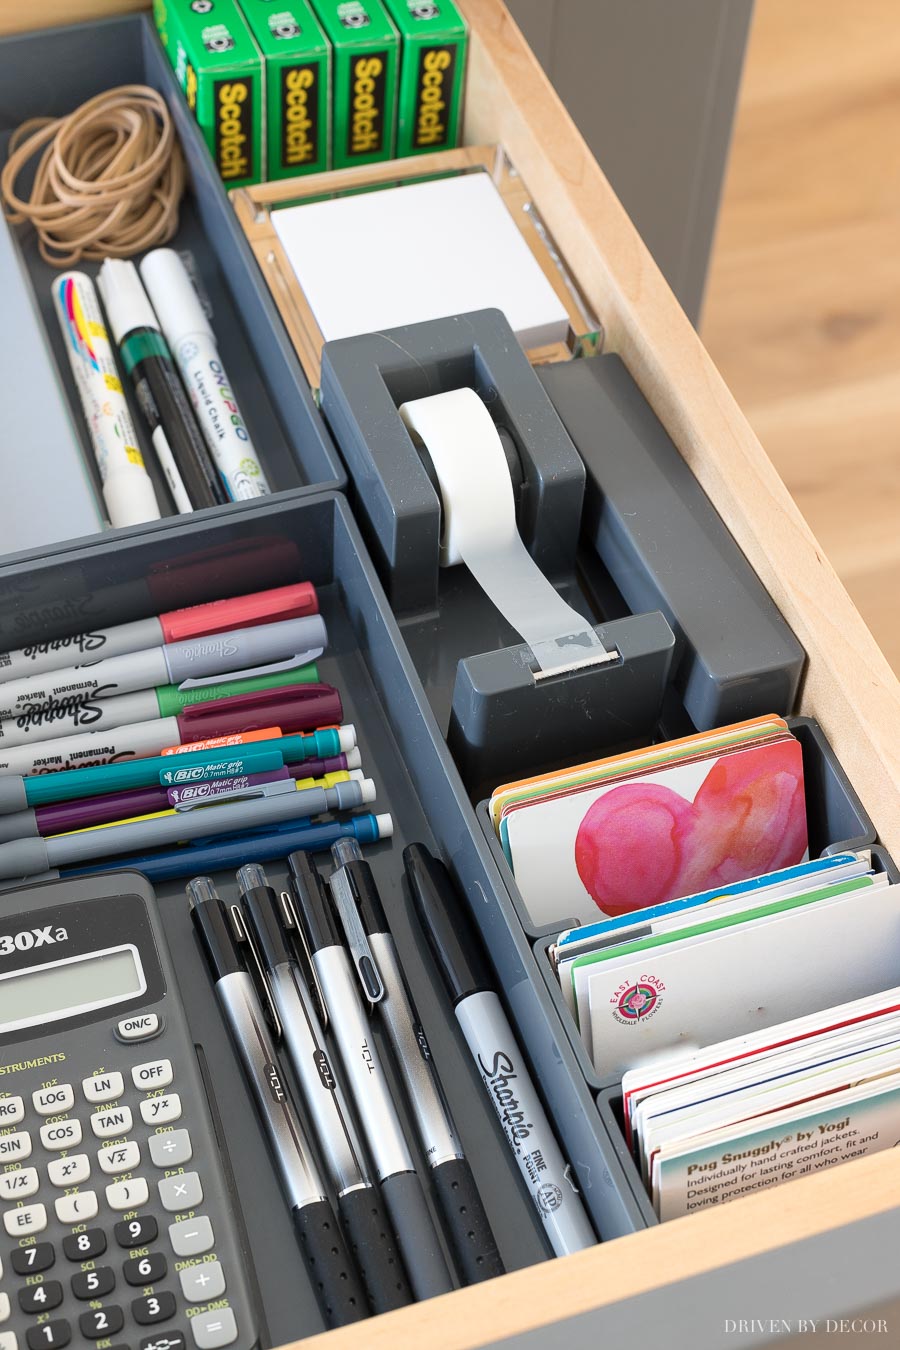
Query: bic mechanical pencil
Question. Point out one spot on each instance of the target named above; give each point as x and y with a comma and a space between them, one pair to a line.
179, 444
340, 1293
191, 338
368, 1085
24, 857
240, 652
72, 718
18, 793
218, 616
299, 708
371, 942
241, 848
127, 489
81, 815
267, 919
496, 1053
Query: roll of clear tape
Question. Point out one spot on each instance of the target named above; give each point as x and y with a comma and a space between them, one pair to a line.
479, 529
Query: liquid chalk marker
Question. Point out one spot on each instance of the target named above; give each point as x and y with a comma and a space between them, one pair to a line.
127, 489
181, 450
191, 338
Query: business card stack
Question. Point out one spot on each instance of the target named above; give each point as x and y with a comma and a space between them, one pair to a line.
749, 1113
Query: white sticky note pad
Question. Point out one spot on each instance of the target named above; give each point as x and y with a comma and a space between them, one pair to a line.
401, 255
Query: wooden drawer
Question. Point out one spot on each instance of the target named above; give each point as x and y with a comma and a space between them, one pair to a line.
848, 685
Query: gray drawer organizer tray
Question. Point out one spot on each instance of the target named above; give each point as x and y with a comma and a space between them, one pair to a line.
610, 512
51, 73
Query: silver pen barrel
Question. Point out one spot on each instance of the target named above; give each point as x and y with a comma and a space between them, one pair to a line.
332, 1122
290, 1147
434, 1125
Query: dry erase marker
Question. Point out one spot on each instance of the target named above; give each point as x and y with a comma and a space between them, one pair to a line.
127, 489
496, 1053
242, 611
240, 652
192, 340
193, 478
302, 707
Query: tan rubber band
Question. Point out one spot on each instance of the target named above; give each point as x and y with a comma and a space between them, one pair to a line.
108, 182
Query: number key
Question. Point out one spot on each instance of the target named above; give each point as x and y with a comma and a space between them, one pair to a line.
42, 1297
85, 1246
145, 1269
31, 1260
101, 1322
153, 1308
137, 1232
49, 1335
93, 1283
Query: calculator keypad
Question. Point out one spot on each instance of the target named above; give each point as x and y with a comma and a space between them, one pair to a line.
95, 1177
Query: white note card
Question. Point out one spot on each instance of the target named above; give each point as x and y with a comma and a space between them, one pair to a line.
400, 255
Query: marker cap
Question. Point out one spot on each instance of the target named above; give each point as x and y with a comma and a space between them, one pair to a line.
450, 932
243, 611
174, 298
294, 708
172, 699
124, 298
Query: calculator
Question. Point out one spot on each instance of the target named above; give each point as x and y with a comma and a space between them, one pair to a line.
117, 1233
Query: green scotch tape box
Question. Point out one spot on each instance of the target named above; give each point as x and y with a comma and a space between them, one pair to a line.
298, 85
219, 67
366, 57
432, 74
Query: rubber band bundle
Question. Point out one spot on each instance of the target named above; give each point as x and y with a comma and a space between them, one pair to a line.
108, 182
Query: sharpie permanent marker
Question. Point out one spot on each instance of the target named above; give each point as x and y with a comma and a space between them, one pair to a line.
302, 707
25, 857
333, 1274
65, 718
191, 338
367, 1083
468, 1227
192, 477
241, 652
175, 625
93, 780
496, 1052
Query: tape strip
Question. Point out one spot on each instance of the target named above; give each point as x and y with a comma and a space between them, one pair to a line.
479, 529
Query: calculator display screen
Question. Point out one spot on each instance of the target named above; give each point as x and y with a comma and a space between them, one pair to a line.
62, 988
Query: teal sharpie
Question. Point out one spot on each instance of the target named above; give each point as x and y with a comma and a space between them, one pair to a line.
18, 793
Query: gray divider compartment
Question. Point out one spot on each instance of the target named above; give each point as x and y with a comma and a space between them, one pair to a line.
666, 548
296, 536
50, 73
498, 720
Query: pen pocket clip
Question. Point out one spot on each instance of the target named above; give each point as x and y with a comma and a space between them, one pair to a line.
253, 672
241, 930
254, 790
362, 956
293, 924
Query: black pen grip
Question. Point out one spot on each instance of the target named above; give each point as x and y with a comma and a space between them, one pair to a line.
335, 1279
372, 1244
467, 1224
417, 1235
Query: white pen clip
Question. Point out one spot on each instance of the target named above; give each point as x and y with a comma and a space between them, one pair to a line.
252, 672
345, 902
291, 922
244, 937
253, 790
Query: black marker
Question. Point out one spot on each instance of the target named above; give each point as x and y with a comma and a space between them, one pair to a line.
177, 440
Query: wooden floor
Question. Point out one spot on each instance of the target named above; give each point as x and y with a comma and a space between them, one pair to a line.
803, 307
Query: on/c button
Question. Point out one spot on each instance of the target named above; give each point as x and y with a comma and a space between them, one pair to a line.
138, 1028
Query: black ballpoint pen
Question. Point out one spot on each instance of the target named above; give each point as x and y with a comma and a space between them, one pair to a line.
416, 1234
336, 1282
269, 918
468, 1227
